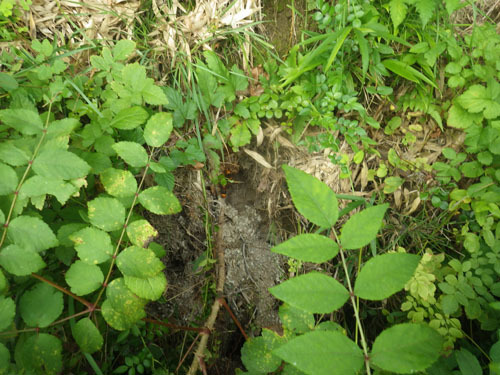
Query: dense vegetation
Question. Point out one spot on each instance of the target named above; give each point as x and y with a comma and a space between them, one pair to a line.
89, 150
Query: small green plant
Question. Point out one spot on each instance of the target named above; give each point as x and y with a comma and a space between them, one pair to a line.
318, 348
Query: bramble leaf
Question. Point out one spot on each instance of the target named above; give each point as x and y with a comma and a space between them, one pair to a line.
384, 275
138, 262
468, 363
87, 336
322, 353
425, 9
41, 305
406, 348
20, 261
296, 320
312, 198
38, 185
158, 129
122, 308
133, 153
58, 164
308, 248
150, 288
119, 182
362, 227
84, 278
256, 356
153, 94
13, 155
159, 200
107, 214
41, 354
31, 232
92, 245
140, 232
240, 135
7, 312
123, 49
8, 179
24, 121
129, 118
312, 292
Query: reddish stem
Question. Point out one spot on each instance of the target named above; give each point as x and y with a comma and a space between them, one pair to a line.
90, 305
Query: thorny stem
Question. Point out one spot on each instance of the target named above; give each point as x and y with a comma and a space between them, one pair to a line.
355, 308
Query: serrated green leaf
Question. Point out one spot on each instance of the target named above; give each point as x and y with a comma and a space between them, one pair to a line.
20, 261
87, 336
158, 129
391, 184
92, 245
362, 227
476, 100
31, 233
312, 292
24, 121
256, 356
133, 153
41, 305
66, 230
308, 248
406, 348
384, 275
140, 232
107, 214
10, 154
38, 185
468, 363
129, 118
425, 9
7, 82
2, 217
122, 308
59, 164
312, 198
138, 262
151, 288
461, 119
134, 76
120, 321
41, 353
159, 200
7, 312
296, 320
397, 10
322, 353
153, 94
119, 182
123, 49
240, 135
8, 179
62, 127
84, 278
4, 358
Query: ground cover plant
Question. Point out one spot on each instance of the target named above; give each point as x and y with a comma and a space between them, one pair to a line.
401, 96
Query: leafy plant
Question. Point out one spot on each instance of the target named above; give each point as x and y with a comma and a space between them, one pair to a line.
321, 347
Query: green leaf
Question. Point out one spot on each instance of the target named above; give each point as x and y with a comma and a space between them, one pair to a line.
84, 278
38, 185
7, 82
107, 214
460, 118
119, 320
151, 288
364, 49
397, 10
406, 71
133, 153
425, 9
138, 262
129, 118
159, 200
158, 129
63, 127
87, 336
123, 49
4, 355
122, 308
406, 348
41, 353
362, 227
476, 100
97, 161
31, 233
467, 363
7, 312
41, 305
312, 198
2, 217
240, 135
256, 356
134, 76
338, 44
449, 304
59, 164
391, 184
12, 155
312, 292
140, 232
153, 94
308, 248
24, 121
20, 261
384, 275
322, 353
8, 179
296, 320
119, 182
92, 245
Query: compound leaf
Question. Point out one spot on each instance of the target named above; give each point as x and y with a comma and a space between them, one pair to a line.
84, 278
20, 261
87, 336
150, 288
384, 275
362, 227
312, 292
106, 213
140, 232
312, 198
92, 245
133, 153
118, 182
60, 164
159, 200
129, 118
41, 306
31, 233
158, 129
138, 262
308, 248
406, 348
7, 312
322, 353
